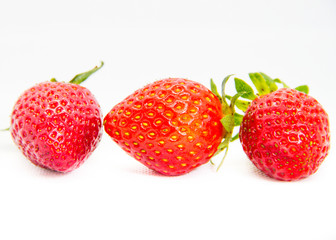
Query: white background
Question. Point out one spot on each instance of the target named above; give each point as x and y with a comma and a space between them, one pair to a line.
112, 196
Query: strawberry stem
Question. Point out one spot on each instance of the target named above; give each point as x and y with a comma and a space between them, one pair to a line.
81, 77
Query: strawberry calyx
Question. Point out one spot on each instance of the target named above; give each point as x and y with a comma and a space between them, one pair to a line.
81, 77
230, 119
264, 85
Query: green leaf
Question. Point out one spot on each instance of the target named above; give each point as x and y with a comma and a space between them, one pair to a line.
222, 146
234, 99
277, 80
228, 122
234, 138
242, 86
224, 104
237, 119
215, 91
225, 154
241, 104
303, 88
260, 83
224, 83
81, 77
270, 82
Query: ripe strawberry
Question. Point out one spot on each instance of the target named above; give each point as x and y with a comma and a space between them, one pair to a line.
285, 133
57, 125
172, 125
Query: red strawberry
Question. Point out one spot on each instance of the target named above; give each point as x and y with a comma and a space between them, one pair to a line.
172, 125
57, 125
285, 133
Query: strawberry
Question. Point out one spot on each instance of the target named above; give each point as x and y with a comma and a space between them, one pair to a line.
284, 132
57, 125
171, 126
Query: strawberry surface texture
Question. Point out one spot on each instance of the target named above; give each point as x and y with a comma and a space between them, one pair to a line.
57, 125
171, 126
285, 134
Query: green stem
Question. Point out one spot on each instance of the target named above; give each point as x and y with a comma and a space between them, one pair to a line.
81, 77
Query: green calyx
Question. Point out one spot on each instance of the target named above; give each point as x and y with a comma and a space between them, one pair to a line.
81, 77
263, 84
230, 119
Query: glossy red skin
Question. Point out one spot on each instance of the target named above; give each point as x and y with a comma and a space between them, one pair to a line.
286, 134
172, 125
57, 125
